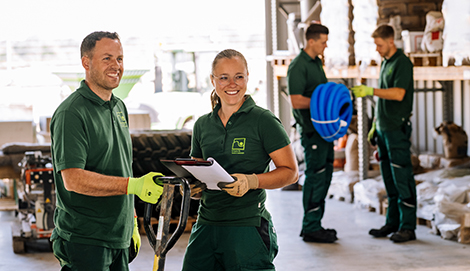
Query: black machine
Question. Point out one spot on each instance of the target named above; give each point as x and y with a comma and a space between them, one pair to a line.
36, 201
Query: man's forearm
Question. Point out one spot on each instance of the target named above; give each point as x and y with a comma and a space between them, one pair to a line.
396, 94
93, 184
299, 102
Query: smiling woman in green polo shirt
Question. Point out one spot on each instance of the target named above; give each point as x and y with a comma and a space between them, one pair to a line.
234, 230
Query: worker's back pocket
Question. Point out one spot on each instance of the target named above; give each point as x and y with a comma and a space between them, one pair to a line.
58, 247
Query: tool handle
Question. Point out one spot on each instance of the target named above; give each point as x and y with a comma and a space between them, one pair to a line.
184, 213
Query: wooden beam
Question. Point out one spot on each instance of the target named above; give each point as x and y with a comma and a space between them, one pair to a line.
7, 172
314, 13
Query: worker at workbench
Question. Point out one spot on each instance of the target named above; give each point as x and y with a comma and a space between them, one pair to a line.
92, 156
392, 129
304, 74
234, 230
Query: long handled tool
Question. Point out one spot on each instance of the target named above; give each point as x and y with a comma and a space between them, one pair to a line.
162, 242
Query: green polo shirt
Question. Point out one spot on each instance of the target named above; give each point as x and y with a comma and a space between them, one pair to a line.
243, 146
92, 134
395, 72
303, 76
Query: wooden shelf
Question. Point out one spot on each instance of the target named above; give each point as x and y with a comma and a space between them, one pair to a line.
281, 63
8, 204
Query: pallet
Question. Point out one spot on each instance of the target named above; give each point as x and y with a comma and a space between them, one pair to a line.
424, 222
464, 233
384, 206
173, 223
425, 59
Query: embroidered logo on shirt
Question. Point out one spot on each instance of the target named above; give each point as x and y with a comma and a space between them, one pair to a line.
390, 71
122, 119
238, 146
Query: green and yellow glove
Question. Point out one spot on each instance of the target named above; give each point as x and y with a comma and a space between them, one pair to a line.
362, 91
372, 135
146, 188
135, 242
241, 185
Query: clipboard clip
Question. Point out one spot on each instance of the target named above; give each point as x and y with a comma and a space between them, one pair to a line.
192, 162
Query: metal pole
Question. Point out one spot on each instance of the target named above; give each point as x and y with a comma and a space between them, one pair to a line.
274, 6
362, 126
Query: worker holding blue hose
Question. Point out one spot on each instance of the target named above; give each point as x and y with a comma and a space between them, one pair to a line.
393, 130
305, 73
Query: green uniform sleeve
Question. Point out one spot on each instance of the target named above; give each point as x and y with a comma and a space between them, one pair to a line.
272, 132
69, 141
404, 78
195, 144
296, 79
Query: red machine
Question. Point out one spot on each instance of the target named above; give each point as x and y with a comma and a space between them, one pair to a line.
36, 201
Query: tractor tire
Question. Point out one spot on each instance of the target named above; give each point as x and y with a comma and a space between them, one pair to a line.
149, 147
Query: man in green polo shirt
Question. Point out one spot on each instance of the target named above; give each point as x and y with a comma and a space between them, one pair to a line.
92, 158
393, 129
305, 73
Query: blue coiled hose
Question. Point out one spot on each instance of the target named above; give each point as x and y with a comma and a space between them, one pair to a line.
331, 110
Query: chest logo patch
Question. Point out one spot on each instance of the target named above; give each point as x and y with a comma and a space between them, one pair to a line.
238, 146
122, 119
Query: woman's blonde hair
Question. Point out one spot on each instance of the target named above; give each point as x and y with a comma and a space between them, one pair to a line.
227, 53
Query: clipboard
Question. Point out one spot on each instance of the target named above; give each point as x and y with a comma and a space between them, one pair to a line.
207, 171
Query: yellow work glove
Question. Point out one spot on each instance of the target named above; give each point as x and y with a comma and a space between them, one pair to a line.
146, 188
135, 242
241, 185
372, 135
362, 91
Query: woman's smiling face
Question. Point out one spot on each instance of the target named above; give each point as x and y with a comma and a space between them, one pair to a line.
230, 78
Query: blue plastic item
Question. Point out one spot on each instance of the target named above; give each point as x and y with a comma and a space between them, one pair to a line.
331, 110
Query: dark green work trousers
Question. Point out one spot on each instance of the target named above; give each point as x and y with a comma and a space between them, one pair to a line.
80, 257
226, 248
319, 157
397, 173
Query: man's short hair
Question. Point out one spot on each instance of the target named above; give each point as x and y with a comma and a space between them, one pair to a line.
384, 31
314, 31
89, 42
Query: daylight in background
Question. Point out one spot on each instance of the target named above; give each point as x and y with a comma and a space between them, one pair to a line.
168, 50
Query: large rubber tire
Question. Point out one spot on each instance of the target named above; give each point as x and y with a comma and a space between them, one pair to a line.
18, 245
149, 147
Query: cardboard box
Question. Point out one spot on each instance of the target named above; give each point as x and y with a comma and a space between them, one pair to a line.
139, 121
17, 131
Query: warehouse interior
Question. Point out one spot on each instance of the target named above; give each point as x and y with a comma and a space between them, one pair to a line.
171, 89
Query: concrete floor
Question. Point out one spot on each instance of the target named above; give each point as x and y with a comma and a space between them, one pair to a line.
355, 249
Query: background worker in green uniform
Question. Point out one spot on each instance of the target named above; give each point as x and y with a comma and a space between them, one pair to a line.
393, 129
234, 230
92, 156
305, 73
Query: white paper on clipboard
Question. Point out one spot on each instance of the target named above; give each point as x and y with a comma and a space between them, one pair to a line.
210, 175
